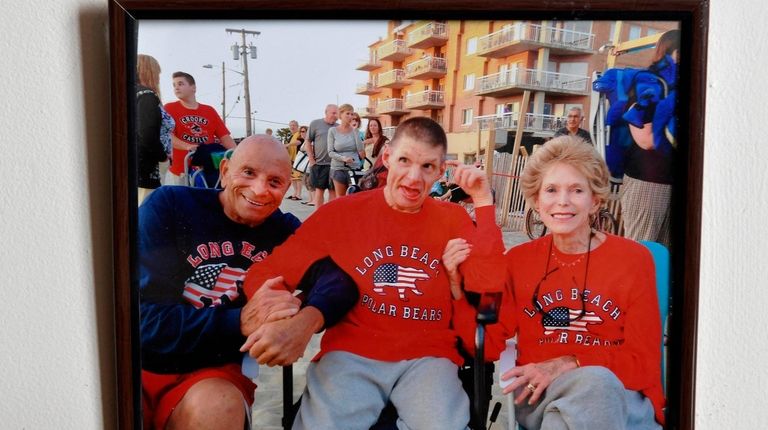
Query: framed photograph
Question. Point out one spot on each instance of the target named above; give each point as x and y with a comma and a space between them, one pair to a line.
500, 76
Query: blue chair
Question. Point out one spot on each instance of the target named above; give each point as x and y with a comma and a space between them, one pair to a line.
661, 261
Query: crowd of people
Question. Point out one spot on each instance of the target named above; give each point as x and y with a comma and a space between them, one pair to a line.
219, 269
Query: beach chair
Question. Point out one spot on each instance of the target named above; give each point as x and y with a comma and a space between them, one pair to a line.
202, 165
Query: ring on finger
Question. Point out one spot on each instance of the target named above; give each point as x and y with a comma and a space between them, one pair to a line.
531, 387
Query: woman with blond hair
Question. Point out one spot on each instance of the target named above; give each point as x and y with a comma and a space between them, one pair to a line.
153, 126
345, 149
581, 302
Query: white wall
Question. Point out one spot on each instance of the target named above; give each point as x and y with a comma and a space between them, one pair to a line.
732, 370
56, 330
56, 359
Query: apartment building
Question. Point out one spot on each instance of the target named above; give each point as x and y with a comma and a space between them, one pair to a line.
471, 76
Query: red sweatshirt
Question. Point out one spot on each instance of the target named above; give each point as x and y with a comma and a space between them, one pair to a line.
621, 325
405, 306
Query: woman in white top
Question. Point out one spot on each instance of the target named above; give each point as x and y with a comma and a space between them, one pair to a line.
345, 148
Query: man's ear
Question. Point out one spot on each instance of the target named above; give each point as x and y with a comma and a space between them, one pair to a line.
223, 169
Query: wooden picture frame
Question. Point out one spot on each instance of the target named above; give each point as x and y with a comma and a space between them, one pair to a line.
693, 18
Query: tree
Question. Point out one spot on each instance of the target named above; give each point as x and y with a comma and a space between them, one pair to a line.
284, 134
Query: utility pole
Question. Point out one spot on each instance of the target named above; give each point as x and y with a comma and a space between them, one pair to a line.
244, 49
223, 94
223, 88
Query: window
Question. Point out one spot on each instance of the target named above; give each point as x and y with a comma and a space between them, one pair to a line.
652, 31
546, 108
472, 46
578, 69
469, 82
466, 115
611, 31
634, 32
580, 26
552, 66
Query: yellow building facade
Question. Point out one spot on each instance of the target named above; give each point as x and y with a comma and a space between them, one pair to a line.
471, 76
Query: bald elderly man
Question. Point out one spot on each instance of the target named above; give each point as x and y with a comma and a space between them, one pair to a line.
194, 248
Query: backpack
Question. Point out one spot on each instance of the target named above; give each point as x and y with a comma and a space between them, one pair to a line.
375, 177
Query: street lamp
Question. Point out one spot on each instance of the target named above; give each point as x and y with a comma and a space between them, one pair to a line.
223, 90
245, 50
223, 86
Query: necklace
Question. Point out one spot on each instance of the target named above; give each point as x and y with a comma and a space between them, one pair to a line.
549, 316
576, 261
565, 263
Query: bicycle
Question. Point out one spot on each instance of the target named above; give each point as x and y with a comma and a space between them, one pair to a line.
535, 228
456, 194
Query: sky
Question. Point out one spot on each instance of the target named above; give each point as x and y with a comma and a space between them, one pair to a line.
301, 67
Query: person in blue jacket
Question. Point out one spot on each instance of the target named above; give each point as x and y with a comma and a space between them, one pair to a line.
195, 245
643, 139
650, 159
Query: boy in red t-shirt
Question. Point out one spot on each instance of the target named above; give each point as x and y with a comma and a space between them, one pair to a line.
196, 124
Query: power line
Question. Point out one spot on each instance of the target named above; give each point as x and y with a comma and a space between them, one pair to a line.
261, 120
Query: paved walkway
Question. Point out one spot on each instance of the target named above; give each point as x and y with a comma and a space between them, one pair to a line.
267, 409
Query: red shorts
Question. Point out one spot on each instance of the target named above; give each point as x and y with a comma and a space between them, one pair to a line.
160, 393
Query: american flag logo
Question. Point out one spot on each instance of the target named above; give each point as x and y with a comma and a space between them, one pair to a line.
213, 285
403, 278
563, 318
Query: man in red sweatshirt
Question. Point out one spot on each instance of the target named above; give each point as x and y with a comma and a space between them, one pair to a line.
398, 342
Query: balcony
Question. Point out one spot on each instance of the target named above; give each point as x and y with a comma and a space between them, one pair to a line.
371, 63
367, 89
392, 79
426, 68
392, 107
544, 125
389, 132
515, 81
525, 37
428, 35
426, 100
394, 51
367, 112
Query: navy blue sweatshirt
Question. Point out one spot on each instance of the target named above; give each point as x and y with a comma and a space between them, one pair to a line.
192, 260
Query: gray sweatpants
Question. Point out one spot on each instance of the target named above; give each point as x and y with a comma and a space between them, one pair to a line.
347, 391
588, 398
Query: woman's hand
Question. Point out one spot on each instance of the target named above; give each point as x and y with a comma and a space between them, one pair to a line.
473, 181
534, 378
643, 137
456, 252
